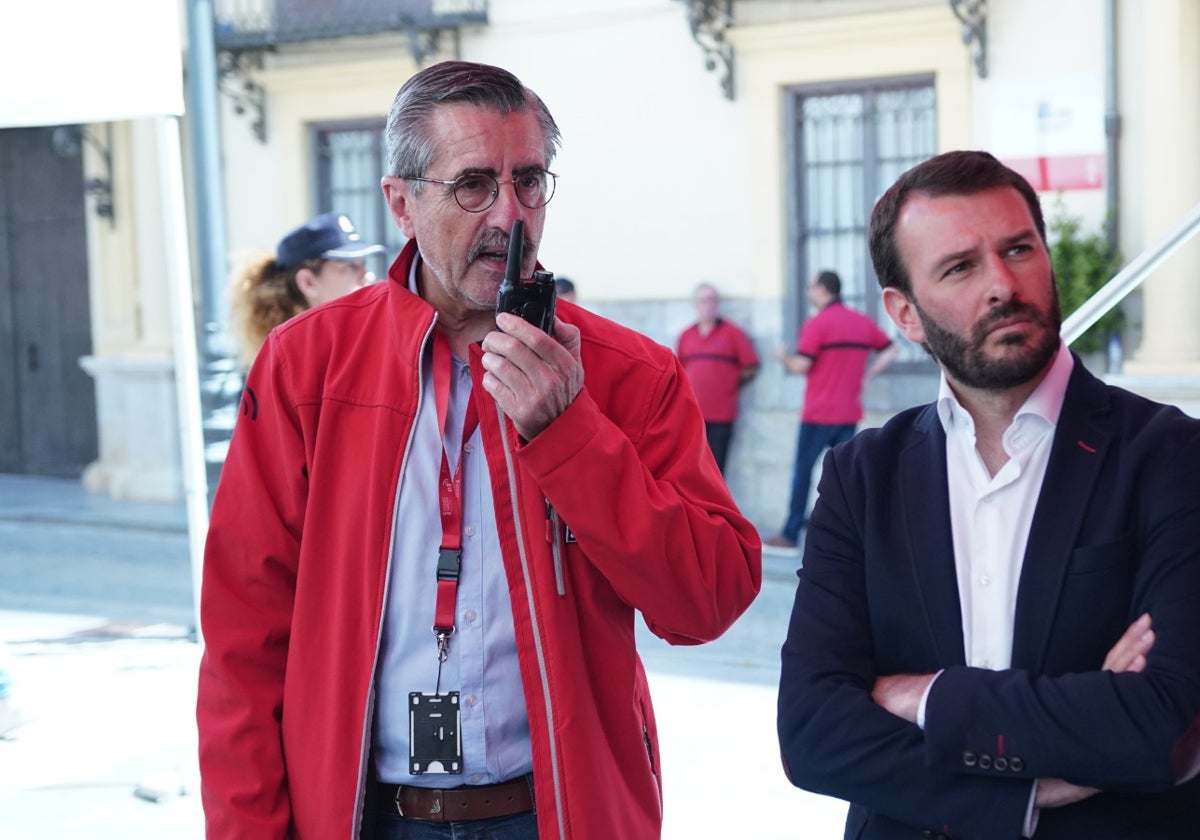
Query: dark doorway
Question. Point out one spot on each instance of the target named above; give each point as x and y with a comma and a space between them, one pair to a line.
47, 401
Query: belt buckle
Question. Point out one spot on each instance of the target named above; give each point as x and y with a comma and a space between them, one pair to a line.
435, 809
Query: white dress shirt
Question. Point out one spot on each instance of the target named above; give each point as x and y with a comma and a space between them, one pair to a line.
990, 516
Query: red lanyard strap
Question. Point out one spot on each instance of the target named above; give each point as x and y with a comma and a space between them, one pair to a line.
449, 562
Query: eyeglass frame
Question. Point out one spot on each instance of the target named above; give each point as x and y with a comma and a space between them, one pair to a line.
495, 193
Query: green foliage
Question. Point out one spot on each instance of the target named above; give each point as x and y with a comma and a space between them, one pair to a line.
1082, 264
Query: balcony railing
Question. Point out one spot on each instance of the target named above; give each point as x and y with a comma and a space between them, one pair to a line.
259, 24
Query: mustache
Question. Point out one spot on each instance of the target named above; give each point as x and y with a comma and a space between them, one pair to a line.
1008, 310
492, 241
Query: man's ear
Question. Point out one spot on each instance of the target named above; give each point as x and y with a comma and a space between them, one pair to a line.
903, 311
396, 194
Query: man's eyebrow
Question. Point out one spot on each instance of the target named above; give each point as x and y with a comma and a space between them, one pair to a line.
1018, 238
475, 170
947, 260
487, 170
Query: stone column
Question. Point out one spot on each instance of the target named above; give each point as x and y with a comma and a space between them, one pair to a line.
132, 361
1160, 61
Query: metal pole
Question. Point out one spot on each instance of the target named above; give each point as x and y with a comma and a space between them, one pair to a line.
1112, 129
1130, 277
207, 184
183, 327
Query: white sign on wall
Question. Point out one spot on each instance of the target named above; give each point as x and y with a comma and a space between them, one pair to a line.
1051, 130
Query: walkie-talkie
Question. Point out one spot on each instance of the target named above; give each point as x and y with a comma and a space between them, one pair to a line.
530, 298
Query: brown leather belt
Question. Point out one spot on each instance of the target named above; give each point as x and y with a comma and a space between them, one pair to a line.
470, 802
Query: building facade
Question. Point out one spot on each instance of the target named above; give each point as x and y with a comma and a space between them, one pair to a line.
740, 143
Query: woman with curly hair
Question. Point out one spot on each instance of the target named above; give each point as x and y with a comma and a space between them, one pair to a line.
317, 262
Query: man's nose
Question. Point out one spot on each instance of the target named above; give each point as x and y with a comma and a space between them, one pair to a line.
506, 209
1003, 282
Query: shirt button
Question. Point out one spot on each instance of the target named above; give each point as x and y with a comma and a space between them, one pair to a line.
472, 700
470, 615
984, 580
469, 530
476, 779
468, 447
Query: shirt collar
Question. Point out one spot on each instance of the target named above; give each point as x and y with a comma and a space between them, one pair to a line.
412, 275
1045, 402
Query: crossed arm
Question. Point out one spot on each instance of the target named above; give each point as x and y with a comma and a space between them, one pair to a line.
901, 694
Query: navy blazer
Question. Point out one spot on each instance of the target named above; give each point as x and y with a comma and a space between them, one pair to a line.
1116, 533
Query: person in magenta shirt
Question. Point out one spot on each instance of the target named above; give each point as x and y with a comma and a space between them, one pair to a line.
834, 349
719, 359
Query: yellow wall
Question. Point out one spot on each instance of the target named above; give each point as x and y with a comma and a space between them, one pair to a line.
774, 57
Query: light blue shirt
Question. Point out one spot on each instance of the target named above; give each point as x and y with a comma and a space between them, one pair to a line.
482, 662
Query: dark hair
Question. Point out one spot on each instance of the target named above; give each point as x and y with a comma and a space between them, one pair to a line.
410, 149
951, 173
563, 285
830, 282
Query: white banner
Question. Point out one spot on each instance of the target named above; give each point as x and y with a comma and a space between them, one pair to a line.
81, 61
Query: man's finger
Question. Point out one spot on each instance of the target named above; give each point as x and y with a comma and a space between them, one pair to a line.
1128, 655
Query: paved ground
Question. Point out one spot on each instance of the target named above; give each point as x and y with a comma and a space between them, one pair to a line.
109, 747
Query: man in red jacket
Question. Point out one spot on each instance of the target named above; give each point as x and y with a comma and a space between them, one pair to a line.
407, 459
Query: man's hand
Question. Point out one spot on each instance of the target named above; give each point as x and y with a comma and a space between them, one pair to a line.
531, 376
1055, 793
1128, 655
792, 363
901, 694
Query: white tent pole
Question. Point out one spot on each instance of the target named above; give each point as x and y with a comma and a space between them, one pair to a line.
183, 328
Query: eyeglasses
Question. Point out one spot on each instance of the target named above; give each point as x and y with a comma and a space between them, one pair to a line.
477, 191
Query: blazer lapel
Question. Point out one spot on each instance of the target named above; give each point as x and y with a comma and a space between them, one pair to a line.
926, 504
1077, 453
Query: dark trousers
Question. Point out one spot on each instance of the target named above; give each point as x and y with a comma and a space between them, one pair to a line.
719, 435
515, 827
814, 439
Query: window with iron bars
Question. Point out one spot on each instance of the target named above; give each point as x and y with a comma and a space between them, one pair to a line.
349, 161
848, 143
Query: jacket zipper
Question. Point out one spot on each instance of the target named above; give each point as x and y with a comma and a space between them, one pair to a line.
649, 750
365, 741
510, 469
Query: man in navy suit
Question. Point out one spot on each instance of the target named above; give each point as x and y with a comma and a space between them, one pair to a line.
996, 631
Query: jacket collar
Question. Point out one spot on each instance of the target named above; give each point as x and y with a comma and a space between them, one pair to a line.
1080, 447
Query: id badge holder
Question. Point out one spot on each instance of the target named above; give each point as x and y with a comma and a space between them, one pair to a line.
434, 737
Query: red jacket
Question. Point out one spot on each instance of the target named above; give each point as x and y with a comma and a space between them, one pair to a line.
301, 534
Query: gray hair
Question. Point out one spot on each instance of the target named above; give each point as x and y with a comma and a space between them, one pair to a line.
410, 149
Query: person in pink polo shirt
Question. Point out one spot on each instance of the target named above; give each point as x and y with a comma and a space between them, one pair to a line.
719, 359
834, 348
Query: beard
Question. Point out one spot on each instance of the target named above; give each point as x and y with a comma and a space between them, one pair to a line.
967, 360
